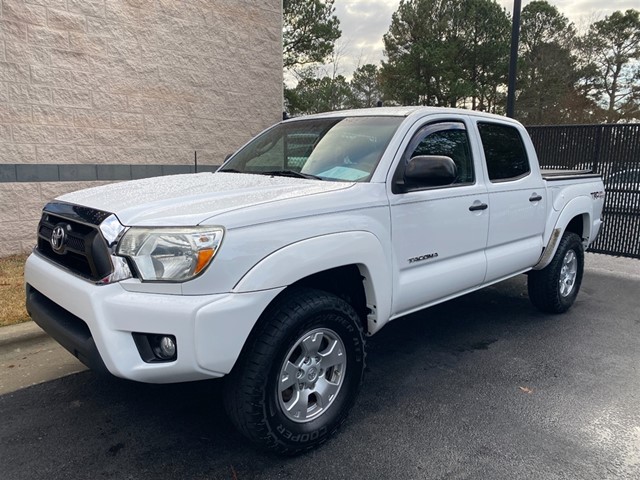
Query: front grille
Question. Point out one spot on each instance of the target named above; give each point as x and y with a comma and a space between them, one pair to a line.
84, 251
74, 241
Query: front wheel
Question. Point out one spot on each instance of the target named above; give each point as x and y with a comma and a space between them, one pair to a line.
554, 288
299, 374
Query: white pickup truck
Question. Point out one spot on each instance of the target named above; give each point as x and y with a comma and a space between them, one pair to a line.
274, 269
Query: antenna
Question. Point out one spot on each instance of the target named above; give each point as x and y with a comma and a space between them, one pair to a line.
195, 159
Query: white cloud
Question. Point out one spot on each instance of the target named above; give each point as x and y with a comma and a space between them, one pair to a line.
364, 22
583, 12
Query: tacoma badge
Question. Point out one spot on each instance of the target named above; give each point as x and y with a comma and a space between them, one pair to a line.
428, 256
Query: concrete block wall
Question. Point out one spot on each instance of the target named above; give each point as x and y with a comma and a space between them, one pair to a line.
103, 90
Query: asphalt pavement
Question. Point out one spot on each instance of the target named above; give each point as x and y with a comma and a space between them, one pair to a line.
481, 387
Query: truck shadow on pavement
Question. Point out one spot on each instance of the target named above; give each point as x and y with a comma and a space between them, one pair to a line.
422, 372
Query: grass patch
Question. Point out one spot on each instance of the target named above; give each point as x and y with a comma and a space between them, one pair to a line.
12, 309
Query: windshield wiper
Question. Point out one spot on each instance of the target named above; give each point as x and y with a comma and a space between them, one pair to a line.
290, 173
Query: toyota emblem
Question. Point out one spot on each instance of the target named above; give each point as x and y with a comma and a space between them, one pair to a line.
58, 238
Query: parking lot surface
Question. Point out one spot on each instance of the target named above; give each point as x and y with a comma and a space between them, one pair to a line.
482, 387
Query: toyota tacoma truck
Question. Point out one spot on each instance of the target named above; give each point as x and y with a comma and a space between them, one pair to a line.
272, 271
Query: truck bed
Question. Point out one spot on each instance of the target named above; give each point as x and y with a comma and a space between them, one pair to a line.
557, 174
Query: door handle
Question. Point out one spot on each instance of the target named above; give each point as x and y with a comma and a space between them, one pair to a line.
478, 206
535, 198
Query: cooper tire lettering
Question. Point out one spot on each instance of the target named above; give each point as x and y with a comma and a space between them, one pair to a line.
257, 406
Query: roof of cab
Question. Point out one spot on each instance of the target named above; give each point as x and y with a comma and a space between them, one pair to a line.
369, 112
402, 112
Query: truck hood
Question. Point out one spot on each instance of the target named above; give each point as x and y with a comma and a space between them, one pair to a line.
191, 199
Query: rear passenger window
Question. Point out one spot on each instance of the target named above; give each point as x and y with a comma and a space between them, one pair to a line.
504, 151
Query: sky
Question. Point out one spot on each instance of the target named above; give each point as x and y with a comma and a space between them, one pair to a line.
364, 22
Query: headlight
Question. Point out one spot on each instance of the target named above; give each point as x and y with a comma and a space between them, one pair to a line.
170, 254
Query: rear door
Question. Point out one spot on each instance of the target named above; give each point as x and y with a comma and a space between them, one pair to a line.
517, 200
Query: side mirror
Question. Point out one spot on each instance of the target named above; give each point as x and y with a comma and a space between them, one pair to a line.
429, 171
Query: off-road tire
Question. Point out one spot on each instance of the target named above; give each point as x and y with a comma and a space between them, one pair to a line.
251, 394
545, 290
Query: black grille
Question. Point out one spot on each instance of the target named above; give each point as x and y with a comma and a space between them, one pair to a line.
84, 251
73, 242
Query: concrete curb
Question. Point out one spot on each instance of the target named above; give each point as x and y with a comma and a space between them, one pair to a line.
29, 356
616, 266
22, 332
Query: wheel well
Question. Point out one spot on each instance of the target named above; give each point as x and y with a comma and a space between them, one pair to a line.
344, 282
576, 225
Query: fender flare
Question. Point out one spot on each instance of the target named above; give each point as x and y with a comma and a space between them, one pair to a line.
579, 206
306, 257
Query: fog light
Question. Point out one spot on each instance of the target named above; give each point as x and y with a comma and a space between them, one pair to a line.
166, 348
156, 347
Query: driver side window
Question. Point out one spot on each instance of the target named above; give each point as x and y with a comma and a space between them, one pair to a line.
447, 139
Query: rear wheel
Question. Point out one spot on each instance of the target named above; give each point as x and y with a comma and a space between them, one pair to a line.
300, 373
554, 288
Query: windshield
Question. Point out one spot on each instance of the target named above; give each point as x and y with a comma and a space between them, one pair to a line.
346, 149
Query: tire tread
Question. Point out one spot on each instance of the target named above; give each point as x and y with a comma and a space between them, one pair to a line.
543, 284
246, 384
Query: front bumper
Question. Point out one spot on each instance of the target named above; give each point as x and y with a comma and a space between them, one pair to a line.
96, 322
67, 329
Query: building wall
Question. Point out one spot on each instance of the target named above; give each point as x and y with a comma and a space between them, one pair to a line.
102, 90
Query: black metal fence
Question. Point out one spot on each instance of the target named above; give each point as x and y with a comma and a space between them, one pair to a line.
612, 151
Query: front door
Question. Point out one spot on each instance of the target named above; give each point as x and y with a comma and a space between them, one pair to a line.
439, 234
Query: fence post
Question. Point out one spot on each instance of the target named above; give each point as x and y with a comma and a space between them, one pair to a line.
597, 149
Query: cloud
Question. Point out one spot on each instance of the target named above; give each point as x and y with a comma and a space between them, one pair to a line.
364, 22
582, 12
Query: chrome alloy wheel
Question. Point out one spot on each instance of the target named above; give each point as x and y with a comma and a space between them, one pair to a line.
311, 375
568, 273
